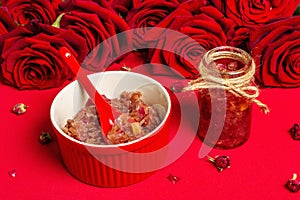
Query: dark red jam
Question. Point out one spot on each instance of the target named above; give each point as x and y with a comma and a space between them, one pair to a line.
227, 64
233, 112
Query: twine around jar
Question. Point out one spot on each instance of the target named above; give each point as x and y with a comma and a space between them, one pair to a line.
237, 86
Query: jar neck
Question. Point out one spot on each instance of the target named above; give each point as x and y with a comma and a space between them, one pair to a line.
228, 63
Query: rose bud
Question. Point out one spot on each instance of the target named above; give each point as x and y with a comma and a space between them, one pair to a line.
173, 179
45, 138
12, 173
295, 131
293, 184
19, 108
220, 162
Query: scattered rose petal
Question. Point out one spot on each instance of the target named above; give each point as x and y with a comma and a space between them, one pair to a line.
177, 87
12, 173
293, 184
19, 108
173, 179
220, 162
295, 131
45, 138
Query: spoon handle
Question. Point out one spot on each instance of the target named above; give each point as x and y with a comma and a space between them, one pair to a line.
81, 76
105, 111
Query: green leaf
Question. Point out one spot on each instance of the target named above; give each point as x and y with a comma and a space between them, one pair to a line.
297, 12
57, 21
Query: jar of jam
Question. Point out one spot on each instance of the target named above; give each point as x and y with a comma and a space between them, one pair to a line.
226, 94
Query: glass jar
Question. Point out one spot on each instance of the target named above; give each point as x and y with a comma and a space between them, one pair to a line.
225, 98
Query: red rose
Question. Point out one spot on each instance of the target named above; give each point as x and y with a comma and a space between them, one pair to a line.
101, 3
276, 50
145, 14
30, 56
121, 6
238, 37
150, 13
251, 12
26, 10
55, 4
6, 22
95, 23
203, 31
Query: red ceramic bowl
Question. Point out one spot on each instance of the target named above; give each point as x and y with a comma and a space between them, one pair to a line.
111, 165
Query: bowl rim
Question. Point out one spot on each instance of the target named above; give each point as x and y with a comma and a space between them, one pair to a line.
148, 135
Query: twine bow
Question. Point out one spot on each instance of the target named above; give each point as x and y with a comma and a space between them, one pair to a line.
237, 86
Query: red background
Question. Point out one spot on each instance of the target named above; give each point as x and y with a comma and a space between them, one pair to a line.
259, 169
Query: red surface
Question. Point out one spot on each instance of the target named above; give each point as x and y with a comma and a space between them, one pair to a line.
259, 168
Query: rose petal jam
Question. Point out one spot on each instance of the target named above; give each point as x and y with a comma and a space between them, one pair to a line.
225, 117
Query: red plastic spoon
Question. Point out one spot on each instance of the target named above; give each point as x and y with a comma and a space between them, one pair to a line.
106, 113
